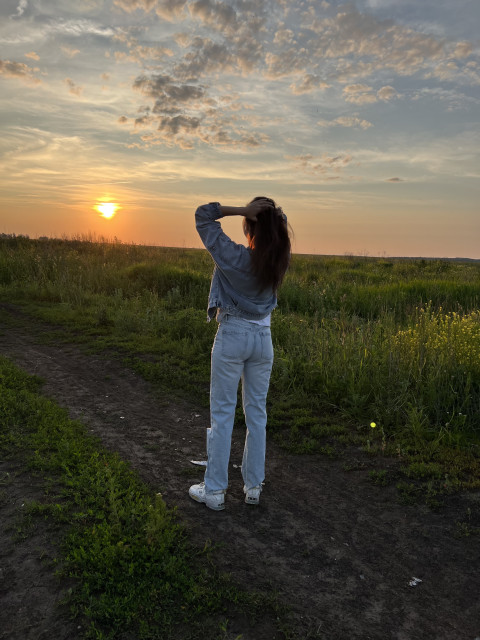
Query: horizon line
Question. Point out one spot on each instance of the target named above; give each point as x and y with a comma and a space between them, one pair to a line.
93, 238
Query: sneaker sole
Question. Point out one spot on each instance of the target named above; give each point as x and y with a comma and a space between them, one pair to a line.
220, 507
254, 501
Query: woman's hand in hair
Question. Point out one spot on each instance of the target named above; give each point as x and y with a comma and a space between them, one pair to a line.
256, 207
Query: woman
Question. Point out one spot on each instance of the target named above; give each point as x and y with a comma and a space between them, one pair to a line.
242, 296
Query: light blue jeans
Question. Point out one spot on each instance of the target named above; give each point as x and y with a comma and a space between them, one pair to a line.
242, 350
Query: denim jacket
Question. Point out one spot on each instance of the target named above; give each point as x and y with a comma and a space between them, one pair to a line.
234, 288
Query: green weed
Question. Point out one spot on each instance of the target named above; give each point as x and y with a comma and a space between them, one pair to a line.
379, 477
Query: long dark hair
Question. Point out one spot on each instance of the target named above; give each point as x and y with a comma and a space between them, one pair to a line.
269, 240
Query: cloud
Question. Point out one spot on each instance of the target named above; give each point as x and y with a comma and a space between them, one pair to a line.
346, 44
327, 166
309, 82
176, 124
22, 5
242, 20
346, 121
171, 9
238, 27
32, 55
284, 36
386, 93
286, 62
445, 70
343, 44
79, 28
170, 97
359, 94
395, 180
451, 97
69, 52
167, 9
73, 88
347, 70
34, 150
361, 36
205, 57
133, 5
301, 49
138, 52
218, 15
463, 50
185, 132
423, 156
19, 71
44, 28
363, 94
352, 121
183, 114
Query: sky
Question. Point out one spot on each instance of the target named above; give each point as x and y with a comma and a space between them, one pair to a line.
361, 119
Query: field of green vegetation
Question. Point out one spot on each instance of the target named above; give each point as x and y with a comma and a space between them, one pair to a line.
378, 355
363, 341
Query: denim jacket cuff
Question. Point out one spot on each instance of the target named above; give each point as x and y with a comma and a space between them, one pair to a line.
218, 213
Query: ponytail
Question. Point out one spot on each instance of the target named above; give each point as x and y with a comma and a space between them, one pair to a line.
270, 243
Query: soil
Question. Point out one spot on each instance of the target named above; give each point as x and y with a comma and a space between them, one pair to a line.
339, 550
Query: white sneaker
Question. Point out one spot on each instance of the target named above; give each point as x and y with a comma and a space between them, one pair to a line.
252, 496
215, 500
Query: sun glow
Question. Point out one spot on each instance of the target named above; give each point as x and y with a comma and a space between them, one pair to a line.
107, 209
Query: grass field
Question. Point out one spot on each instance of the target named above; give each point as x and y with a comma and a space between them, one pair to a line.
376, 354
358, 341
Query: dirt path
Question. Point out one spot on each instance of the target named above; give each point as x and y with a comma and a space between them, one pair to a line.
338, 549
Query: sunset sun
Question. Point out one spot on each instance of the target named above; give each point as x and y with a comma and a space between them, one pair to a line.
107, 209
